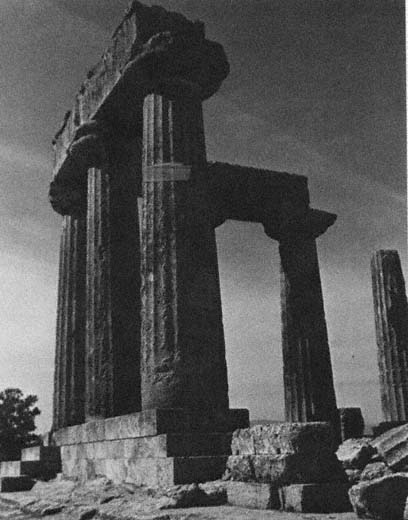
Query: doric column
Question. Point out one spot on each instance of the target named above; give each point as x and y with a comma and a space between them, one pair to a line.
183, 351
308, 376
69, 377
391, 323
113, 283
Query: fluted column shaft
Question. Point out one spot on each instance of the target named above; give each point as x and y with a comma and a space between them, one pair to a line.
69, 377
183, 350
391, 323
113, 285
308, 376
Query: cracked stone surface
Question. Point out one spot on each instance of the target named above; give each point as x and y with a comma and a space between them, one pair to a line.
106, 501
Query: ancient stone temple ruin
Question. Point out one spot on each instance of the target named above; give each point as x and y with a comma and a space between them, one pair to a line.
141, 389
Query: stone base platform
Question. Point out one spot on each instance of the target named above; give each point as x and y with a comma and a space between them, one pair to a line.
156, 448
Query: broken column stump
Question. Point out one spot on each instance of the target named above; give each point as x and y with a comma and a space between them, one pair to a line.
291, 466
391, 324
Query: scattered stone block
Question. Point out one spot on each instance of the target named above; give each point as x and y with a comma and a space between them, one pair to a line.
286, 469
355, 453
253, 495
392, 446
283, 438
19, 483
351, 423
382, 499
386, 426
375, 470
192, 495
326, 497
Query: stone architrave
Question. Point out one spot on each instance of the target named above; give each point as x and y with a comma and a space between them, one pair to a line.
308, 375
69, 376
183, 350
391, 323
113, 284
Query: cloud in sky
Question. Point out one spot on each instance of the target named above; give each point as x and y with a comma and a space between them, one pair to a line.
316, 88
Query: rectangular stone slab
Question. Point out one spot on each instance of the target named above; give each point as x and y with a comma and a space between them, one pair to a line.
32, 468
11, 484
286, 469
153, 472
283, 438
165, 445
329, 497
149, 423
252, 495
41, 453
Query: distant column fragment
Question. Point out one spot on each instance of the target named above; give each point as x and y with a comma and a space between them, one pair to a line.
391, 323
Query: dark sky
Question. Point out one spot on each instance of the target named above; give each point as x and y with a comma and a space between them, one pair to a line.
316, 88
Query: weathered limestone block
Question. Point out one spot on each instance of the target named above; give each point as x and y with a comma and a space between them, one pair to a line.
43, 453
148, 423
151, 471
193, 495
391, 322
282, 470
283, 438
253, 495
392, 446
381, 499
375, 470
165, 445
326, 497
351, 423
355, 453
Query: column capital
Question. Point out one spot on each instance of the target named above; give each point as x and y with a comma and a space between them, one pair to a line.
68, 189
309, 223
175, 64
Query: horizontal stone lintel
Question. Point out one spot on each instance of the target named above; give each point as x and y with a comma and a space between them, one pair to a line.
150, 423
